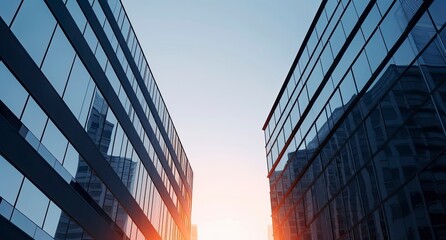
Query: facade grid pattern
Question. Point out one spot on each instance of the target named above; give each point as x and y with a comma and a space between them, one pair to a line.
79, 102
356, 140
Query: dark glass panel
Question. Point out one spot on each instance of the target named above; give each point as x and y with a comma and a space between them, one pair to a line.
436, 10
433, 186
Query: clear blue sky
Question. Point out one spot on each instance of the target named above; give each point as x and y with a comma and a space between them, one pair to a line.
219, 66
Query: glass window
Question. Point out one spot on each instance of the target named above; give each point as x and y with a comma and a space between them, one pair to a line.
71, 160
54, 141
12, 93
432, 181
349, 19
10, 181
77, 14
98, 12
376, 50
337, 39
348, 89
376, 129
8, 9
371, 22
101, 57
33, 27
361, 70
368, 188
32, 202
90, 37
436, 10
52, 219
383, 5
393, 25
58, 61
23, 223
405, 54
34, 118
78, 92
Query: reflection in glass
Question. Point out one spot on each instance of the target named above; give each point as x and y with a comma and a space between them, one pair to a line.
100, 131
372, 160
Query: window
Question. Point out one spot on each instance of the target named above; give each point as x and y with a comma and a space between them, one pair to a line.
34, 26
58, 61
12, 93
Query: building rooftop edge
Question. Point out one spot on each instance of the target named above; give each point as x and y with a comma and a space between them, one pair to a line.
293, 66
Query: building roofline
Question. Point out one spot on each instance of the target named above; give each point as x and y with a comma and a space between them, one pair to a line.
293, 66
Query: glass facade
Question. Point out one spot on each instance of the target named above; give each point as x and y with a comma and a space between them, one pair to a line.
88, 149
356, 139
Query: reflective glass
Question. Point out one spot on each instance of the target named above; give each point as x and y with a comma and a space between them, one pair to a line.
34, 118
10, 181
432, 181
348, 89
24, 223
371, 21
393, 25
8, 9
79, 91
52, 219
58, 60
34, 26
77, 14
32, 202
54, 141
436, 10
376, 50
361, 70
90, 37
337, 39
405, 216
12, 93
349, 19
71, 160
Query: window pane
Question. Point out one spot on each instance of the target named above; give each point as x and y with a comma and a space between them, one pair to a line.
58, 61
33, 27
10, 180
54, 141
12, 93
437, 12
8, 9
34, 118
77, 14
52, 219
32, 202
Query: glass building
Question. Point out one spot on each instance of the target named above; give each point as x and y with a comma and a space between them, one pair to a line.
356, 138
87, 147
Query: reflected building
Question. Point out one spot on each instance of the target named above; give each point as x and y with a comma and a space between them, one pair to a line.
88, 148
356, 138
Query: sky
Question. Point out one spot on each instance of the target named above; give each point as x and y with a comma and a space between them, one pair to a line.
219, 66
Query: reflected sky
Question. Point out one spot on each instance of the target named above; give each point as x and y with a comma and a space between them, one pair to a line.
219, 66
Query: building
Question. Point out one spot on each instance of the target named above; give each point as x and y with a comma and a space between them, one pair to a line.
356, 138
87, 149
